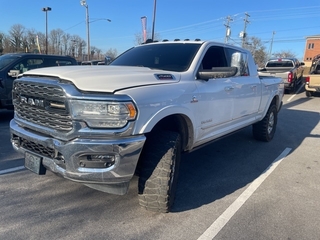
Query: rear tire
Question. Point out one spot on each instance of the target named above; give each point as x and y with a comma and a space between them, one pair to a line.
308, 94
158, 171
265, 129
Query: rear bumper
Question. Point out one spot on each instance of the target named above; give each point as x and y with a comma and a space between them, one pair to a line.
311, 88
111, 170
288, 85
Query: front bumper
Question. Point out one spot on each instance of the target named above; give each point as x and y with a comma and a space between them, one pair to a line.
64, 158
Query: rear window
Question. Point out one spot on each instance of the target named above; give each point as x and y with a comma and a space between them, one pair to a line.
280, 64
172, 57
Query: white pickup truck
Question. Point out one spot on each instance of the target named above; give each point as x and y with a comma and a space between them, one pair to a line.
100, 125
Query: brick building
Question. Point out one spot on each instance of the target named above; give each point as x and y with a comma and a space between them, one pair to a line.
312, 48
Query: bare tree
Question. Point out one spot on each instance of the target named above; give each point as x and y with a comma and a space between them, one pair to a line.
112, 53
2, 36
31, 38
285, 54
16, 34
75, 46
6, 43
55, 40
81, 46
65, 41
98, 51
41, 39
258, 50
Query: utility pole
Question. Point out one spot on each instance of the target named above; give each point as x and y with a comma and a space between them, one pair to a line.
228, 31
245, 29
154, 18
270, 53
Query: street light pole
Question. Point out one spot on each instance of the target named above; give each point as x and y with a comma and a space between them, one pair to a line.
84, 3
46, 9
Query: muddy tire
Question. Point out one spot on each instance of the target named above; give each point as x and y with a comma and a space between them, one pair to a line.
265, 129
158, 171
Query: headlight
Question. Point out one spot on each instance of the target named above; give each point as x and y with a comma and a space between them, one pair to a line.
98, 114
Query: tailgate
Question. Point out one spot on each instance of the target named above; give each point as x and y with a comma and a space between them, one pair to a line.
314, 80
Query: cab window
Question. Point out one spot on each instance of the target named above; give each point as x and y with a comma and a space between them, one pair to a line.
28, 64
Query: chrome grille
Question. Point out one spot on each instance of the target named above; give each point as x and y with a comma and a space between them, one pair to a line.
38, 90
26, 93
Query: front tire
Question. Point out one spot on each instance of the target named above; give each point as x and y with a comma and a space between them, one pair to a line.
158, 171
265, 129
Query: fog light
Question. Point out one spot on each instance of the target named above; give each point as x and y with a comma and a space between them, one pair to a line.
97, 161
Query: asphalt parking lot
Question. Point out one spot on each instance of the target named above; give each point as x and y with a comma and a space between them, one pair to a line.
236, 188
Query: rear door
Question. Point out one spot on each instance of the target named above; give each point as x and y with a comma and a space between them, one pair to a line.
246, 87
224, 103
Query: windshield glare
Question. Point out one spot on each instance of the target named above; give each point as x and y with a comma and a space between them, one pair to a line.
5, 60
173, 57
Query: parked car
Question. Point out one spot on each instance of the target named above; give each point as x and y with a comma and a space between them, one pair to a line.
13, 64
289, 69
313, 78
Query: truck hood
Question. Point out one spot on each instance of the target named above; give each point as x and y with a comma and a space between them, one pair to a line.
107, 78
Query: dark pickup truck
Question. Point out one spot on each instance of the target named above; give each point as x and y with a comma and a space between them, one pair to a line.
289, 69
13, 64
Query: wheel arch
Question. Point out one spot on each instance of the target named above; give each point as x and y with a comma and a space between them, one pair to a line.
173, 118
177, 123
276, 100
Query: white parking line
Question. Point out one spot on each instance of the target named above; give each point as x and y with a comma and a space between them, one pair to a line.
290, 98
224, 218
11, 170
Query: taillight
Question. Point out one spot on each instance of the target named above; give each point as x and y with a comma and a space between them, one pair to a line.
307, 79
290, 75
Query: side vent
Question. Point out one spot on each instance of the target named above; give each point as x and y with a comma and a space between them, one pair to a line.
164, 76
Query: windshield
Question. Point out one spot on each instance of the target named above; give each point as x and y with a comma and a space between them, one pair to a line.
5, 60
173, 57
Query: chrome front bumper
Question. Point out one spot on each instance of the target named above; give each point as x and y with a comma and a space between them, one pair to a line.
113, 178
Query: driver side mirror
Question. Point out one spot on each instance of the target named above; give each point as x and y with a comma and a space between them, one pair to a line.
14, 73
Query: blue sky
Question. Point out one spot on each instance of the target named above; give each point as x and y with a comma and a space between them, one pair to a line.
291, 20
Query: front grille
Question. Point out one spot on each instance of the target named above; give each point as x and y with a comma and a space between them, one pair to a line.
37, 148
42, 105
